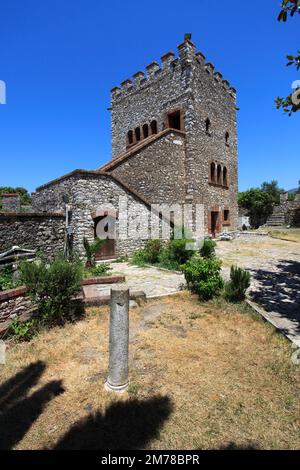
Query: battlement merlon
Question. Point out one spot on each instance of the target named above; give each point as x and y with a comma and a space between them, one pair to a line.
187, 54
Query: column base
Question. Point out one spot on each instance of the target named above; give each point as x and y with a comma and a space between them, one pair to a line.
115, 388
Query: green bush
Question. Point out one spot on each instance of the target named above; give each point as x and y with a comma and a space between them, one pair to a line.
24, 331
235, 289
152, 250
178, 251
101, 269
6, 278
208, 249
203, 276
169, 255
139, 258
52, 288
91, 249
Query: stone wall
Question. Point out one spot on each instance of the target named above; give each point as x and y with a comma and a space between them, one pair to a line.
14, 304
35, 231
90, 193
10, 202
292, 212
157, 170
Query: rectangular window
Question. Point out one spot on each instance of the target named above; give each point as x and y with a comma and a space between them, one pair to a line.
174, 120
226, 216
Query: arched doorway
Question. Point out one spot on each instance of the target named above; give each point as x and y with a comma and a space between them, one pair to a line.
105, 228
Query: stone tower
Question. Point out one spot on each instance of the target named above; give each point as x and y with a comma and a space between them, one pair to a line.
174, 136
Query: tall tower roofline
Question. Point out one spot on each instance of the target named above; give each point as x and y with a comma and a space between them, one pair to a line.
187, 54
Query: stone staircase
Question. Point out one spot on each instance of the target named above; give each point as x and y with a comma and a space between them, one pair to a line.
277, 218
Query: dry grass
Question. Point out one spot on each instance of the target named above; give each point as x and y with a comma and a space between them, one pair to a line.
255, 252
202, 376
289, 234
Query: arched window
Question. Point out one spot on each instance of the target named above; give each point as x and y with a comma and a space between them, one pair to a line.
219, 174
227, 137
153, 126
130, 137
137, 134
145, 131
225, 182
212, 172
207, 125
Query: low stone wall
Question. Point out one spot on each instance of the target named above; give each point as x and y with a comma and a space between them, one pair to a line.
37, 231
293, 215
14, 304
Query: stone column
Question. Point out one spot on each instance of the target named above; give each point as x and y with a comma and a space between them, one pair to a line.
117, 380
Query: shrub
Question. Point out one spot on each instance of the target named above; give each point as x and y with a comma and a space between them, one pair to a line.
208, 249
235, 289
52, 288
152, 250
91, 249
203, 276
101, 269
178, 251
23, 331
139, 258
169, 255
6, 278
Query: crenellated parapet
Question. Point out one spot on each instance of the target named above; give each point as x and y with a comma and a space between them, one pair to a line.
187, 55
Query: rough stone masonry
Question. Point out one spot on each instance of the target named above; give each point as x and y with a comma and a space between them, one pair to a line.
174, 141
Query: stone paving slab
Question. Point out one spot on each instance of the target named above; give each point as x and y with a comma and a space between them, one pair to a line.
153, 281
275, 278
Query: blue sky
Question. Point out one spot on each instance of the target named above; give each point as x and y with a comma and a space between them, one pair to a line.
60, 59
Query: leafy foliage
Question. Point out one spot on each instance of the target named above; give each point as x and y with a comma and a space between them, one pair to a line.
235, 289
101, 269
24, 331
25, 197
6, 278
259, 202
152, 250
208, 249
203, 277
52, 288
168, 255
91, 249
291, 103
288, 7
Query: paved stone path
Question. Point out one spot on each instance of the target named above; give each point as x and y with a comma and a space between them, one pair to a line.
275, 277
154, 282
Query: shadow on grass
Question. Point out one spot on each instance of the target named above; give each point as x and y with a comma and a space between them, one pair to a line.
18, 411
124, 425
280, 291
234, 446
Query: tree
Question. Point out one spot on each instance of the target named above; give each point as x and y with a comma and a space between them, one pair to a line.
24, 194
291, 103
259, 202
273, 190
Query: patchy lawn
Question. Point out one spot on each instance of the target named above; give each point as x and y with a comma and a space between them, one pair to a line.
202, 376
292, 234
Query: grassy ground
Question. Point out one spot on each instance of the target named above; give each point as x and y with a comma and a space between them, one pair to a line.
292, 234
201, 376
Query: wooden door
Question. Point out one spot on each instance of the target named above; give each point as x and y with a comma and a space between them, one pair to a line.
108, 250
215, 223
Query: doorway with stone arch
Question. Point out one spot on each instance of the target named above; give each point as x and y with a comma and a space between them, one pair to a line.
105, 227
